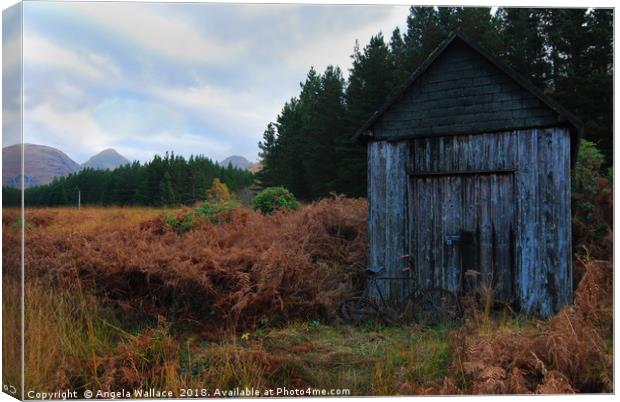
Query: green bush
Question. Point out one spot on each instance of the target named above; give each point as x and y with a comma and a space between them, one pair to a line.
585, 179
588, 168
592, 197
274, 198
218, 212
180, 224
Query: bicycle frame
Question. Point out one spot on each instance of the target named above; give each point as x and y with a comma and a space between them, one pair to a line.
374, 282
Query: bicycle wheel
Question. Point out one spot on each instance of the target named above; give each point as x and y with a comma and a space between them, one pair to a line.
436, 306
358, 310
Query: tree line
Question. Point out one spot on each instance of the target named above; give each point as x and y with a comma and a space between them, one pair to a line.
163, 181
565, 52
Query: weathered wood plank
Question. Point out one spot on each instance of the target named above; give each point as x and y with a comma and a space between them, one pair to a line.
453, 226
528, 260
387, 226
510, 191
396, 217
555, 202
464, 153
376, 205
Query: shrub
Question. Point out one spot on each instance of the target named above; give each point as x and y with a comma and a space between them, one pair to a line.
180, 224
218, 212
592, 200
274, 198
286, 267
587, 169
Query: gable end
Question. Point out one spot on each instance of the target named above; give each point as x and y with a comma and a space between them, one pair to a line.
461, 89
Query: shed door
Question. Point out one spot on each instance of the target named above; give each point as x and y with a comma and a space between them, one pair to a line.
462, 231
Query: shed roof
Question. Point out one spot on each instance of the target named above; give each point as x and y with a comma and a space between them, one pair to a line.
441, 98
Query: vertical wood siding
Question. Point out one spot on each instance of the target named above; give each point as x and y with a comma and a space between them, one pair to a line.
544, 270
387, 200
480, 209
510, 191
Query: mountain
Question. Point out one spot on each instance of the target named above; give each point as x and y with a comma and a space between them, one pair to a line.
107, 159
258, 166
41, 165
238, 162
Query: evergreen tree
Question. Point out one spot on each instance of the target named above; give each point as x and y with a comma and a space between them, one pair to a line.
291, 172
398, 56
371, 81
424, 33
478, 23
323, 132
133, 184
523, 47
166, 192
268, 175
565, 52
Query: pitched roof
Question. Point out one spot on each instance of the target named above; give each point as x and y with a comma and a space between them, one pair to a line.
563, 116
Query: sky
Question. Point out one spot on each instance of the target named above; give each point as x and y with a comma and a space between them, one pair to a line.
193, 78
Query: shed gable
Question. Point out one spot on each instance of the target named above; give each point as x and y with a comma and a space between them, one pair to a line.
461, 92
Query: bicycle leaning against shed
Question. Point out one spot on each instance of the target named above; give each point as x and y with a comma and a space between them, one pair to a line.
428, 306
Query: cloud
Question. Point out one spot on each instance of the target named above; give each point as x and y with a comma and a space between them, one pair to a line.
181, 143
246, 107
134, 117
175, 36
90, 65
11, 75
74, 132
190, 77
333, 43
11, 52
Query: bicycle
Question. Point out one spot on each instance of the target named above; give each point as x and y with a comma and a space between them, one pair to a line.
428, 306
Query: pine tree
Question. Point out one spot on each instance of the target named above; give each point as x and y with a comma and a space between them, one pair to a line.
371, 81
565, 52
268, 176
523, 47
166, 192
424, 33
398, 57
323, 132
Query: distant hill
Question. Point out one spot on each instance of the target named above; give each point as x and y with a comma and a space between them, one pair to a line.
41, 165
106, 160
258, 166
238, 162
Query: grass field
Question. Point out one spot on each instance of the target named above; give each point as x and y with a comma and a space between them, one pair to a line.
120, 298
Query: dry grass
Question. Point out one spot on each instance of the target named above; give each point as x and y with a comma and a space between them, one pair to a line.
116, 298
11, 301
11, 333
569, 353
283, 266
76, 345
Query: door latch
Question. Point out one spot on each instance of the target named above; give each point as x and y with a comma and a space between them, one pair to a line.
451, 239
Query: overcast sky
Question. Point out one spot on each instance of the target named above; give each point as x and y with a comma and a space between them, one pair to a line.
144, 78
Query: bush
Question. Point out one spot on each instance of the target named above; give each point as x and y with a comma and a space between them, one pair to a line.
592, 199
274, 198
180, 223
285, 267
218, 212
587, 169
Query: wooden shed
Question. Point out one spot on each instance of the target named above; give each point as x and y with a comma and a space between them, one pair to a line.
469, 173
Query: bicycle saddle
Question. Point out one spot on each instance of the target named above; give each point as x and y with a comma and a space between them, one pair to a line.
374, 270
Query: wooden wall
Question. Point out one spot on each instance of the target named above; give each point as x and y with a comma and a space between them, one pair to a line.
387, 212
511, 190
